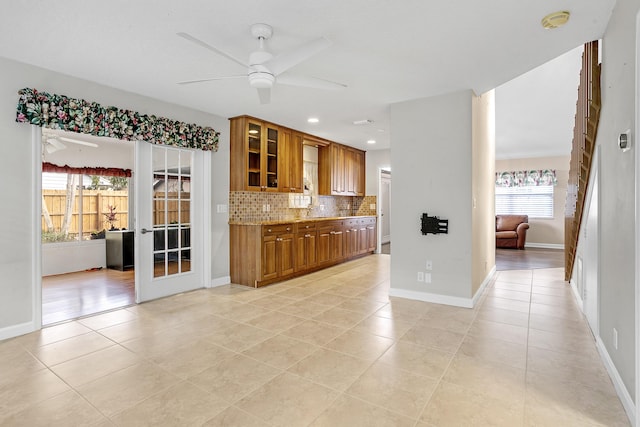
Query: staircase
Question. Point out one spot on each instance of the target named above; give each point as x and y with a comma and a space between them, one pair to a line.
584, 140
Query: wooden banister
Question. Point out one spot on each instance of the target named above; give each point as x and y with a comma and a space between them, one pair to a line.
584, 140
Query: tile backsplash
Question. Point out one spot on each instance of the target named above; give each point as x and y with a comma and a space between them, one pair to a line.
251, 206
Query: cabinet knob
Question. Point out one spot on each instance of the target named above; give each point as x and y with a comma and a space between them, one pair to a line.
333, 232
288, 229
268, 230
307, 235
279, 239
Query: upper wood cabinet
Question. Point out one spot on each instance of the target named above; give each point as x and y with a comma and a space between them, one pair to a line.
267, 157
255, 148
341, 171
290, 158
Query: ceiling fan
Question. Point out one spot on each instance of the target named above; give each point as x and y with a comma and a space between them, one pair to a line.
264, 69
53, 142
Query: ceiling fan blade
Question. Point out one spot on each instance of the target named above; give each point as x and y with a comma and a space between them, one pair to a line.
312, 82
77, 141
285, 60
265, 95
52, 145
187, 82
211, 48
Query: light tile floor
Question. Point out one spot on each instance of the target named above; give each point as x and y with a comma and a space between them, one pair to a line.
328, 349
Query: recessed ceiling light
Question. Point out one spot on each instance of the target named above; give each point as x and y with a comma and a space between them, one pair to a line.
555, 19
313, 120
371, 141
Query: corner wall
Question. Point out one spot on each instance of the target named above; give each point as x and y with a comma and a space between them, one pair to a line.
431, 167
483, 148
617, 191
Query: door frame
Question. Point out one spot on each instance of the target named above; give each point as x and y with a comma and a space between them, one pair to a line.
36, 242
379, 207
637, 217
36, 213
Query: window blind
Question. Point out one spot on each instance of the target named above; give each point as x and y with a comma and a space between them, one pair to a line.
535, 201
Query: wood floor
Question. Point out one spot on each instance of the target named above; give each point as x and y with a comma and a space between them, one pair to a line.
74, 295
528, 259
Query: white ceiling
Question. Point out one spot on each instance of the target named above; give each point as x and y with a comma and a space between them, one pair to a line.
385, 51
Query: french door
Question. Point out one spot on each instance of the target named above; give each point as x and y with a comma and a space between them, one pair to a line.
170, 209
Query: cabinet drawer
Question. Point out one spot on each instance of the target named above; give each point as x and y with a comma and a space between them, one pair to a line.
307, 226
272, 230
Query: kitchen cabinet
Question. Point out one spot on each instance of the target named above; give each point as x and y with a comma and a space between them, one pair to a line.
290, 157
278, 257
267, 253
306, 246
330, 242
351, 238
341, 170
254, 155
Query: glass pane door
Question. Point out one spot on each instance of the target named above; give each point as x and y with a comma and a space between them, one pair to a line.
171, 211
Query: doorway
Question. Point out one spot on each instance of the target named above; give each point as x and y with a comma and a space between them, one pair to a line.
385, 211
85, 203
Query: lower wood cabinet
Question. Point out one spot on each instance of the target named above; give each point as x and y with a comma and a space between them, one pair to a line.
263, 254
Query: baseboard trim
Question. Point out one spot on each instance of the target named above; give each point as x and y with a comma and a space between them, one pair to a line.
17, 330
576, 295
544, 245
435, 298
621, 389
220, 281
482, 287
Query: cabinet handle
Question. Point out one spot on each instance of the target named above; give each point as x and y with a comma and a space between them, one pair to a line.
288, 229
332, 232
279, 239
268, 230
306, 226
307, 235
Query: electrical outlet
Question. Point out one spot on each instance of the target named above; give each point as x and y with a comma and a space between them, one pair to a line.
264, 208
429, 265
420, 276
615, 338
268, 208
427, 277
221, 208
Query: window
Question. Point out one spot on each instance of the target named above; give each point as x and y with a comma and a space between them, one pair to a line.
80, 207
535, 201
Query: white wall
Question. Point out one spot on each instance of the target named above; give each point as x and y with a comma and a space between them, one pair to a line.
375, 160
61, 258
617, 190
16, 228
483, 237
431, 167
545, 232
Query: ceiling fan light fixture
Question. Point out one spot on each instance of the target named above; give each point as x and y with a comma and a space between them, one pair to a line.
555, 19
261, 80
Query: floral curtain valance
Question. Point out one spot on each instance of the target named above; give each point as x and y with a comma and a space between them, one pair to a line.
526, 178
77, 115
122, 173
